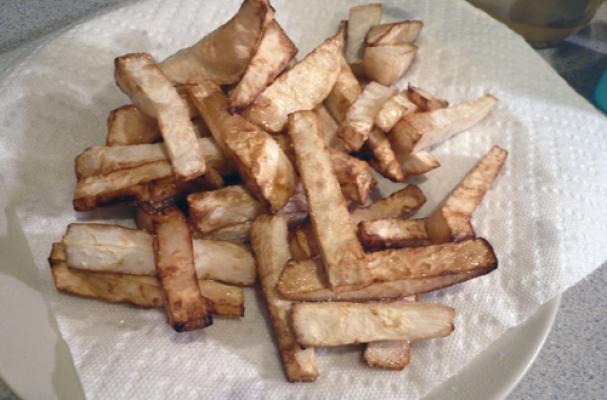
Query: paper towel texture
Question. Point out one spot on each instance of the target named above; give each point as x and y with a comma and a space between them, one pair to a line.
545, 216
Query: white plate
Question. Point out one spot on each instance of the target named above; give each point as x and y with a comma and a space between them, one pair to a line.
36, 363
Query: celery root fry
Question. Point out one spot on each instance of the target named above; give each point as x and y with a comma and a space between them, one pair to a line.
393, 233
400, 204
269, 241
185, 307
451, 220
341, 251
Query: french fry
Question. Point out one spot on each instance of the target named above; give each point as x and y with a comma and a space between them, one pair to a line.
355, 128
113, 248
396, 272
147, 213
418, 163
128, 125
419, 131
138, 76
274, 52
223, 55
394, 33
328, 128
259, 160
142, 291
424, 100
341, 251
384, 159
393, 233
238, 233
102, 160
451, 220
303, 87
355, 176
400, 204
303, 244
393, 110
388, 63
360, 20
185, 307
218, 209
269, 242
336, 324
345, 92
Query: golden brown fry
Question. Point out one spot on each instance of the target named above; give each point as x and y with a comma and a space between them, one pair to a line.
384, 159
303, 87
393, 110
396, 272
274, 52
102, 160
418, 163
341, 251
355, 176
400, 204
355, 128
261, 163
451, 220
128, 125
393, 233
389, 354
269, 241
142, 291
223, 55
360, 20
394, 33
340, 323
185, 307
388, 63
113, 248
424, 100
238, 233
345, 92
138, 76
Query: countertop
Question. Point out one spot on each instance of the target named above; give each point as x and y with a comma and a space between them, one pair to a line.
573, 362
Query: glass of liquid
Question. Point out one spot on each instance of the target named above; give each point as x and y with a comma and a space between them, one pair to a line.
541, 22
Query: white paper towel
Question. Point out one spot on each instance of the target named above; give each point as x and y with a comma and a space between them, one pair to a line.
545, 216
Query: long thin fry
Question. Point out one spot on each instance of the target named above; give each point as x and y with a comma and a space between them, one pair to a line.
341, 251
345, 92
335, 324
451, 220
185, 307
400, 204
142, 291
393, 233
269, 241
138, 76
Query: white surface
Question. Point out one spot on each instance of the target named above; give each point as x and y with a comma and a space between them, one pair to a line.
54, 105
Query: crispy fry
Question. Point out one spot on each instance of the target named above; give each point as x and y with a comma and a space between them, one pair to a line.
384, 159
424, 100
138, 76
102, 160
261, 163
128, 125
359, 119
396, 272
354, 176
218, 209
341, 251
269, 241
238, 233
335, 324
142, 291
451, 220
418, 163
112, 248
393, 110
185, 307
393, 233
419, 131
388, 63
360, 20
223, 55
345, 92
400, 204
394, 33
303, 87
271, 58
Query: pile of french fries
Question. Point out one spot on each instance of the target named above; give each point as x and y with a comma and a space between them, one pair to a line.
246, 165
